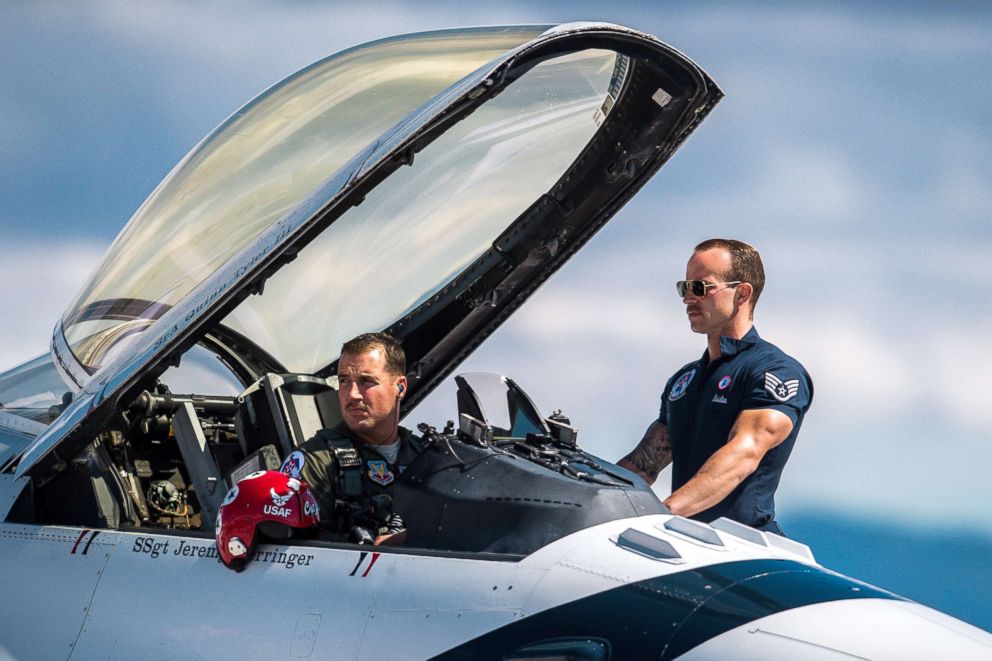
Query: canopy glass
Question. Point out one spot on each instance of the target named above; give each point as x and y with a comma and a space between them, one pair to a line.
259, 165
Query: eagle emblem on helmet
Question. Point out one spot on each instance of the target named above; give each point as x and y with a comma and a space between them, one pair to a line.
278, 500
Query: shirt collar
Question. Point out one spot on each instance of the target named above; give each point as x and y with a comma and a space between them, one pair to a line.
402, 440
730, 346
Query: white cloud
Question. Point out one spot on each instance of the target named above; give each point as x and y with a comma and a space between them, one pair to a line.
896, 419
592, 316
20, 133
911, 470
960, 367
37, 282
852, 363
963, 174
803, 183
272, 33
826, 31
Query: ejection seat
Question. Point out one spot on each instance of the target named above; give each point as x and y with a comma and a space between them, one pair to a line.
279, 412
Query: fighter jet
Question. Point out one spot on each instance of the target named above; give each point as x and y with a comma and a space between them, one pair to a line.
425, 185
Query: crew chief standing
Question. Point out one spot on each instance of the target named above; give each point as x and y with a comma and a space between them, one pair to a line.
728, 421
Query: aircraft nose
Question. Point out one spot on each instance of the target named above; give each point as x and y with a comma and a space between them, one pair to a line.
861, 628
747, 609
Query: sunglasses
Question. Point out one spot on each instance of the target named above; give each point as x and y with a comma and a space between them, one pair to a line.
700, 287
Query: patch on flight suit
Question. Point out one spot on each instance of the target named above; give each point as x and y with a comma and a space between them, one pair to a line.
781, 390
681, 385
379, 472
724, 382
293, 464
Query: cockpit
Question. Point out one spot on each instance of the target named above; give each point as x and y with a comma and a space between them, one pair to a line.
504, 478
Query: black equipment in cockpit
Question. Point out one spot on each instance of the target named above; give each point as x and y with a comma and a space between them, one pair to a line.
509, 481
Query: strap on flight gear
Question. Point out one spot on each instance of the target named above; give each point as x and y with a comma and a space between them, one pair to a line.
349, 466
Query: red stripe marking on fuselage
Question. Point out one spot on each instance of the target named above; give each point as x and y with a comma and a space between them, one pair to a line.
375, 556
78, 539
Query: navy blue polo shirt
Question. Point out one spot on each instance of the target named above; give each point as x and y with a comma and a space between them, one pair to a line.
701, 402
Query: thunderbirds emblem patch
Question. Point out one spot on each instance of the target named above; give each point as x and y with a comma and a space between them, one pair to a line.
681, 386
293, 464
379, 472
781, 390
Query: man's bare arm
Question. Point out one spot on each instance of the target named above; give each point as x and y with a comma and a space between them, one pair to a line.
651, 455
755, 432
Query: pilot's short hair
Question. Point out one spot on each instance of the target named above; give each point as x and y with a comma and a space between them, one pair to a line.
745, 264
395, 356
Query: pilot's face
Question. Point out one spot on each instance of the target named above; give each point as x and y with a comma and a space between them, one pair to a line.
712, 312
369, 396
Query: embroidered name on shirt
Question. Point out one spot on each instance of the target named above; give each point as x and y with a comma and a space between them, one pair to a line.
781, 390
719, 399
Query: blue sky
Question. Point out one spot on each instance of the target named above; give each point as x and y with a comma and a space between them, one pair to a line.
853, 149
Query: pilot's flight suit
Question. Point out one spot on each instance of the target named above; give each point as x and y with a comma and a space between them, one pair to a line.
701, 402
348, 478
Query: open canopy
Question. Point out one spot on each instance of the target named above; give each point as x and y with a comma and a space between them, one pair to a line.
425, 185
256, 168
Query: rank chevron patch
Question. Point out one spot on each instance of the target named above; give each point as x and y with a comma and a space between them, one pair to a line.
781, 390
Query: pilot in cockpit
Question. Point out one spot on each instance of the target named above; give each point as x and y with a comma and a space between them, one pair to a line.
349, 470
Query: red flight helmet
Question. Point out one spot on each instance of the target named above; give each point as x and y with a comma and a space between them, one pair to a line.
267, 502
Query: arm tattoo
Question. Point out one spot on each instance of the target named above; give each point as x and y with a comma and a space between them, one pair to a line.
652, 454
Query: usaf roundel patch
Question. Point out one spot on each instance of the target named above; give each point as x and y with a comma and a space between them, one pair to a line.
379, 472
781, 390
681, 385
229, 498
